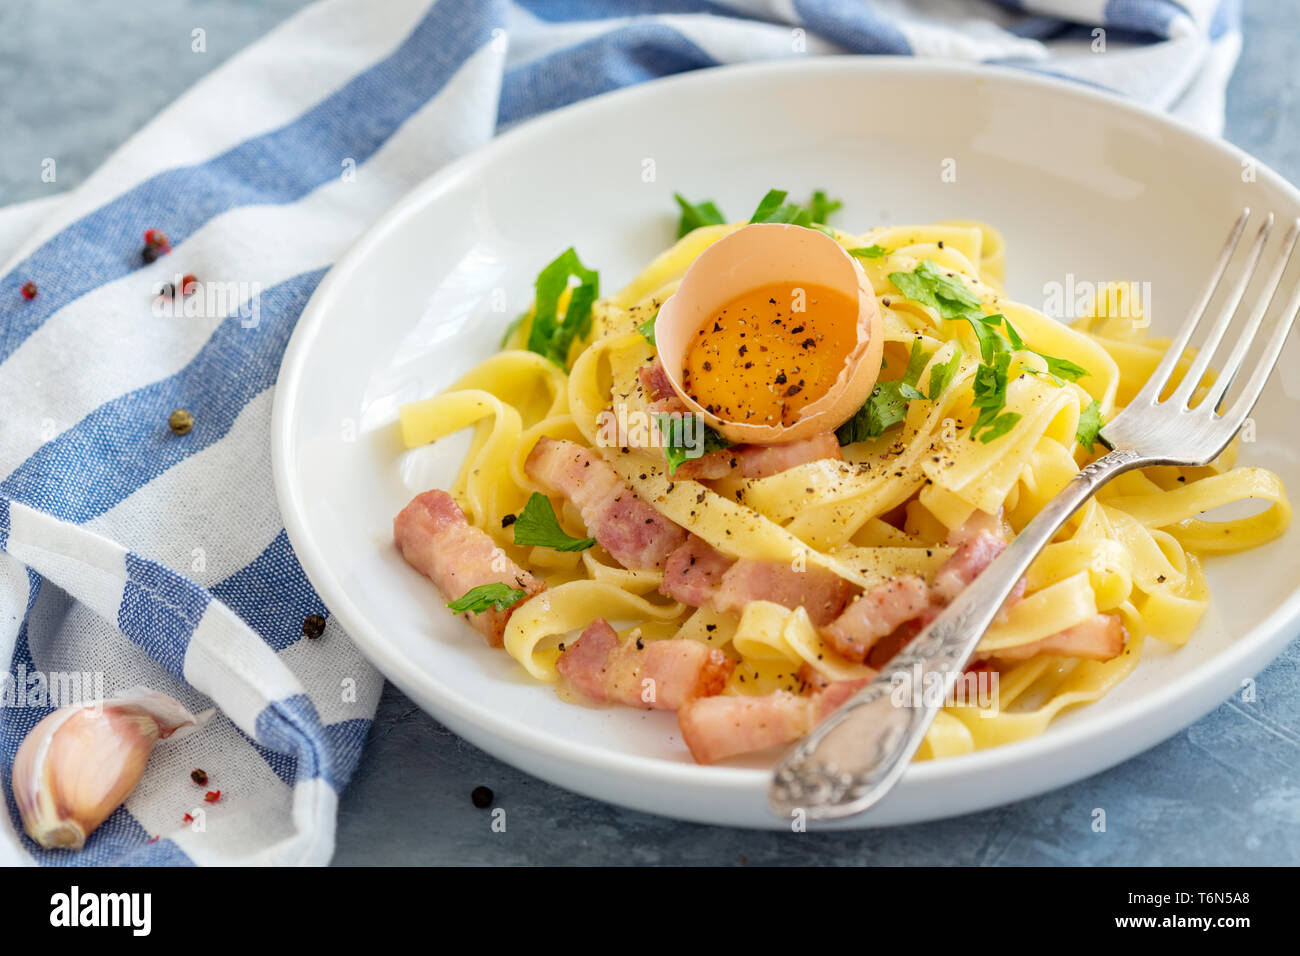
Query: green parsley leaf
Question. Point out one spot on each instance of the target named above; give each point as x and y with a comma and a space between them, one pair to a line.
999, 426
992, 342
1057, 368
487, 597
990, 388
1017, 342
885, 408
774, 208
647, 329
510, 329
916, 360
1063, 368
679, 447
887, 404
537, 525
549, 335
942, 375
821, 206
695, 215
930, 285
869, 252
1090, 422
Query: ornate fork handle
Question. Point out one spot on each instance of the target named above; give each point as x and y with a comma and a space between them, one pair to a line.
857, 754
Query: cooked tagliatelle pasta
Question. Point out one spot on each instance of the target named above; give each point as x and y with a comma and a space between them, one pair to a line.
752, 587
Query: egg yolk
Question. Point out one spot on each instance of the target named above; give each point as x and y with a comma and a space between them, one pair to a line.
769, 352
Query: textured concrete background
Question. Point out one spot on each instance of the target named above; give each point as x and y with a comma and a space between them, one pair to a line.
77, 77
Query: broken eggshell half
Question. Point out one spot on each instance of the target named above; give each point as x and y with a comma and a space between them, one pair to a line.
754, 256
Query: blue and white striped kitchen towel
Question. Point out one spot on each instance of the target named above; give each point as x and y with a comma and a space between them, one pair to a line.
150, 558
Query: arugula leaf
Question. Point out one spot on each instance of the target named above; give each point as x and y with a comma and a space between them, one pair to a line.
647, 330
869, 252
1090, 422
678, 448
549, 335
942, 375
487, 597
537, 525
695, 215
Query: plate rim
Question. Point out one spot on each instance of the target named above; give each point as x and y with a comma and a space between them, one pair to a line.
1264, 638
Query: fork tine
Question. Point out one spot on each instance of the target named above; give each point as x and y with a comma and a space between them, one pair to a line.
1232, 366
1150, 392
1241, 409
1196, 371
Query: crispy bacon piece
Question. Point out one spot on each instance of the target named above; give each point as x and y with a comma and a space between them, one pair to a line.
882, 611
715, 728
887, 647
1099, 638
627, 527
698, 575
663, 397
968, 562
693, 572
760, 461
877, 613
715, 464
656, 675
436, 540
820, 592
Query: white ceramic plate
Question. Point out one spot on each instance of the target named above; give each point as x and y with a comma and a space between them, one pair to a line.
1082, 185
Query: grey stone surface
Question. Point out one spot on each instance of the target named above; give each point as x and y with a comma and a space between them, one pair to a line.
79, 76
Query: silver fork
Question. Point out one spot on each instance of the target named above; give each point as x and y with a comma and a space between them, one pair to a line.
849, 762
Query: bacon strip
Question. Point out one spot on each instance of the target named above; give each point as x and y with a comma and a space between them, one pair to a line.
1099, 638
436, 539
820, 592
693, 572
627, 527
656, 675
660, 392
760, 461
884, 609
715, 728
877, 613
700, 576
975, 553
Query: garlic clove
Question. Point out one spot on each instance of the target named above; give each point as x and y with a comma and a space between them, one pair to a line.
80, 763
